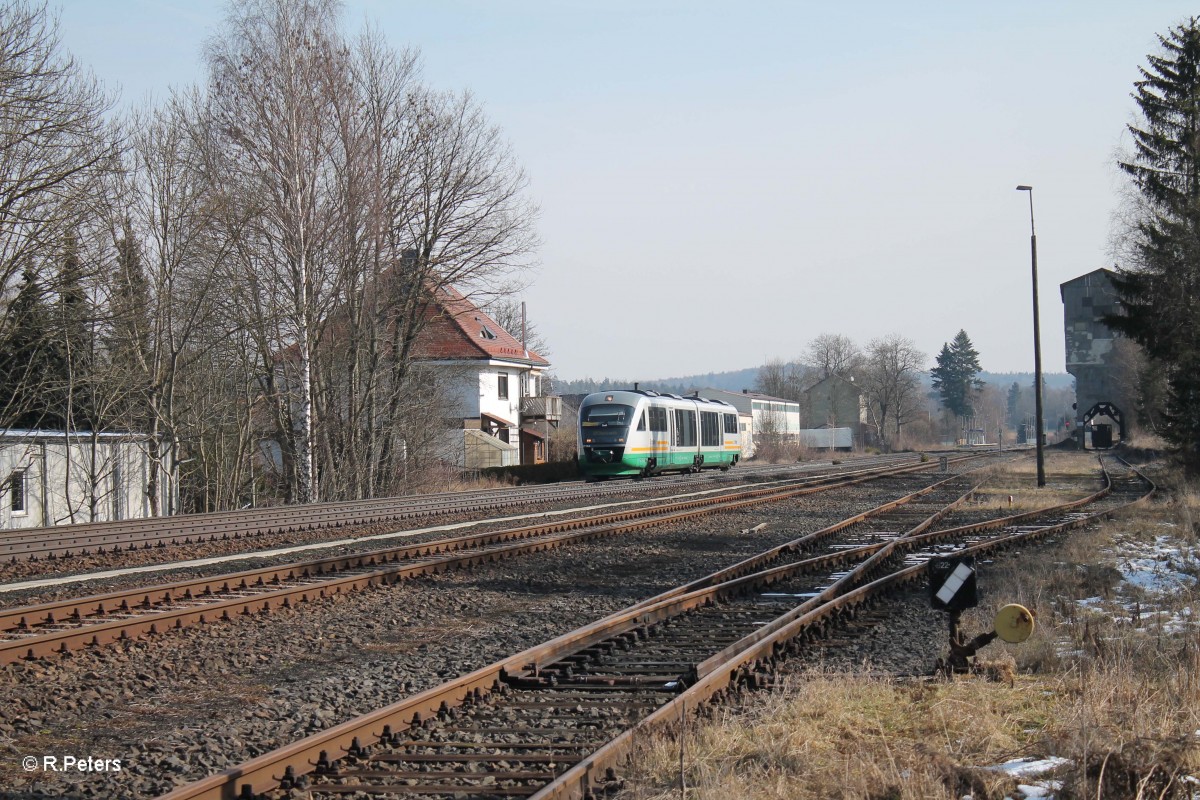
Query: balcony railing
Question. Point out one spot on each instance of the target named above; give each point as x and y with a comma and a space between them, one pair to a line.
548, 408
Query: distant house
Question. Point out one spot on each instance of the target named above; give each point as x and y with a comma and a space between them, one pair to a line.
498, 386
836, 402
761, 416
56, 478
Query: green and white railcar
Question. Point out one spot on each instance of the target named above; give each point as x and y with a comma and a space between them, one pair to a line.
641, 432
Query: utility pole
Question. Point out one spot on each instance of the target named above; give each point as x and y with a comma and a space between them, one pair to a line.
1037, 346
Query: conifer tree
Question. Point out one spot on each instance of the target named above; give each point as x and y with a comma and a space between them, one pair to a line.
70, 386
128, 342
1014, 404
1160, 287
955, 376
29, 359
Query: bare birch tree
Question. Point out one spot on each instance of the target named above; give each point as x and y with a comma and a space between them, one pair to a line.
891, 381
166, 277
277, 75
780, 378
834, 354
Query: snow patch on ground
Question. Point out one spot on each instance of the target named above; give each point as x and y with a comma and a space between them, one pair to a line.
1152, 572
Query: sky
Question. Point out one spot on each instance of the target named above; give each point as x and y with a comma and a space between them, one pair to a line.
719, 183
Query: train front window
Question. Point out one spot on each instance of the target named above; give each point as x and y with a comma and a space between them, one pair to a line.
605, 424
606, 416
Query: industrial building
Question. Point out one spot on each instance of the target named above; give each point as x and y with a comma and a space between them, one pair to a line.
1089, 342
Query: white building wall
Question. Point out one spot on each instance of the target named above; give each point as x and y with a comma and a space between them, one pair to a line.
746, 434
463, 395
490, 401
783, 418
474, 391
73, 480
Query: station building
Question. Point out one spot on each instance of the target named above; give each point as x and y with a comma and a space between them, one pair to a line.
501, 413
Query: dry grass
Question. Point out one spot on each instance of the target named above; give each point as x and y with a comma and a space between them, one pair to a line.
831, 735
1070, 475
1110, 681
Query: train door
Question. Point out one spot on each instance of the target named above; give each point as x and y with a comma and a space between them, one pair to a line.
660, 436
732, 442
685, 443
668, 457
711, 442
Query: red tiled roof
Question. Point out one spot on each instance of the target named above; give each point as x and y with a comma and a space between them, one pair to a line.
458, 329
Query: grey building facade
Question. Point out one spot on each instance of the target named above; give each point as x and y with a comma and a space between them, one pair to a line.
1089, 342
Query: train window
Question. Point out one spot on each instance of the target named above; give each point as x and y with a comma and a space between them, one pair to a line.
731, 423
710, 429
606, 415
641, 426
685, 428
658, 419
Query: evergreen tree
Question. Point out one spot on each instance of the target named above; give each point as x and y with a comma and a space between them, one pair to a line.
1159, 290
70, 383
955, 376
1014, 404
30, 361
128, 340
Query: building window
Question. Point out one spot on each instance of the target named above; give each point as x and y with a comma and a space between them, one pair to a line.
16, 486
502, 387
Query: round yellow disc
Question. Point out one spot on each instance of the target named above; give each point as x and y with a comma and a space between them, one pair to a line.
1014, 623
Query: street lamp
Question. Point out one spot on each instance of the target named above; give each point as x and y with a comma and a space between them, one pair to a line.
1037, 346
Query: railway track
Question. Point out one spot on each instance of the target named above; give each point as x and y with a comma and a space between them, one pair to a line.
58, 627
556, 720
65, 542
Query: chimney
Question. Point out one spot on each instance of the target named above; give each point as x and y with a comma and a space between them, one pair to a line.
524, 346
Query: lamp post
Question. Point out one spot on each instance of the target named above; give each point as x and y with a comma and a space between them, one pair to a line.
1037, 347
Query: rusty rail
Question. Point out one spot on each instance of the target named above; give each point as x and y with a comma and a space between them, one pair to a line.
736, 664
57, 627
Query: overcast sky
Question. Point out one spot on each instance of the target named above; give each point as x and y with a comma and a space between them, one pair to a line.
721, 182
